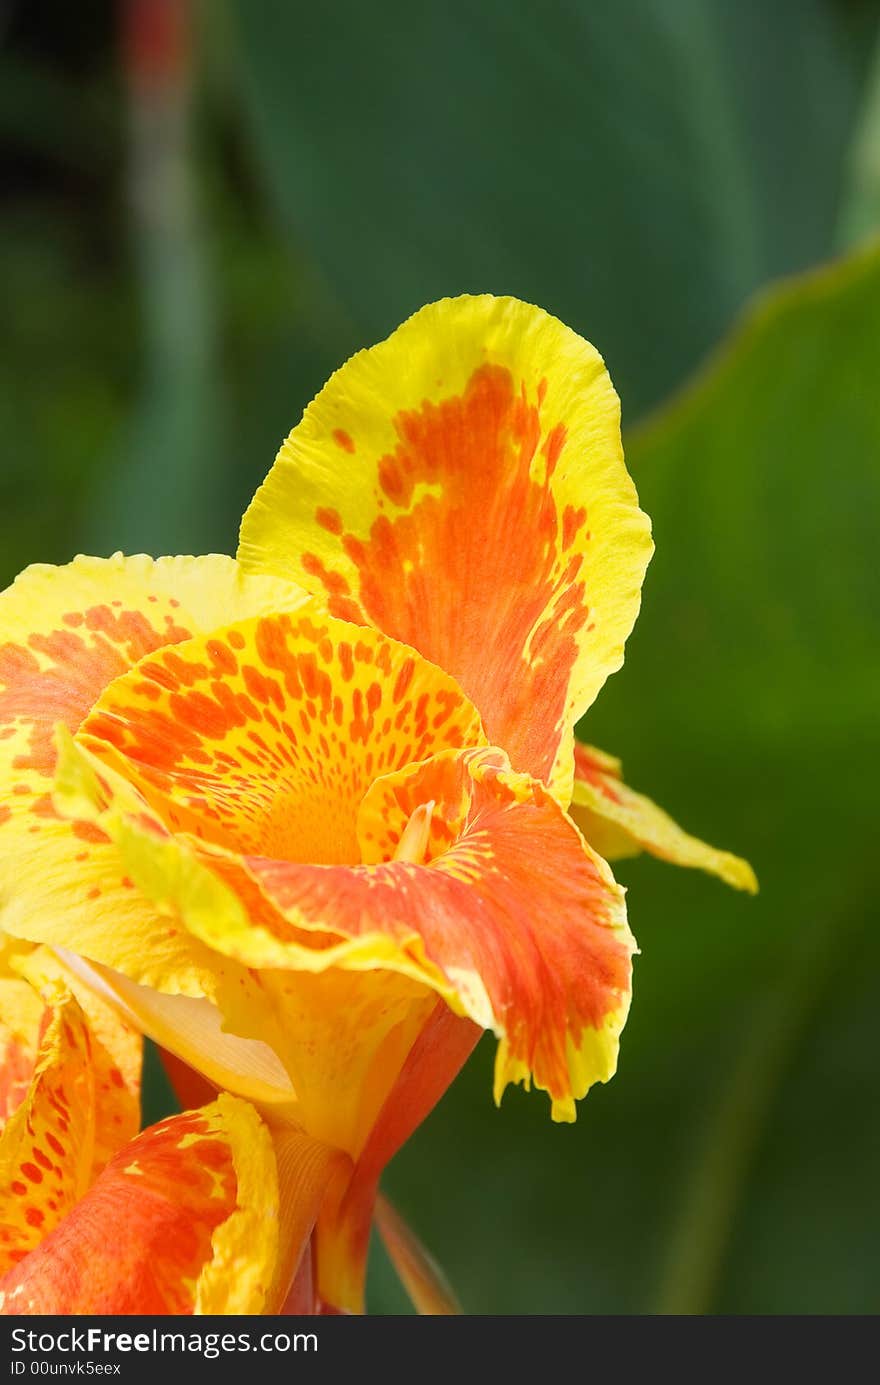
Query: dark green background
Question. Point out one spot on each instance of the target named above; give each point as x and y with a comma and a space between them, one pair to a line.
642, 169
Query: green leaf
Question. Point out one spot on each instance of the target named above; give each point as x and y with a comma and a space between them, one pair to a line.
637, 169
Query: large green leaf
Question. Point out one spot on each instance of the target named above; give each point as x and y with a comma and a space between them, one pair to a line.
637, 168
731, 1165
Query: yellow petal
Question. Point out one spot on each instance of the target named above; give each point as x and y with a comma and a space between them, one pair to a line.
461, 486
343, 1035
116, 1053
245, 1247
65, 633
336, 1076
618, 822
47, 1145
192, 1028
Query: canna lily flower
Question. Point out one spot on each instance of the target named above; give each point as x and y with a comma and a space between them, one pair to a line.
97, 1218
304, 817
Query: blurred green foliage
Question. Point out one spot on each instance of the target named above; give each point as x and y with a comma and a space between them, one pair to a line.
635, 168
640, 169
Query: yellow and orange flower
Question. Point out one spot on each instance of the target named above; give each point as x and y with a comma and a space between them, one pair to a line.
96, 1218
304, 817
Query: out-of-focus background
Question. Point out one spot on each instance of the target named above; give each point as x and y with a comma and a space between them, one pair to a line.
205, 209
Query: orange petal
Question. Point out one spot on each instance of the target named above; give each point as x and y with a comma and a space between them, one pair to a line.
513, 920
444, 1045
524, 919
116, 1054
65, 633
47, 1147
192, 1029
461, 486
618, 822
21, 1016
184, 1219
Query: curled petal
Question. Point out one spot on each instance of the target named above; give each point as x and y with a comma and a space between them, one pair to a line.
476, 451
510, 917
241, 1275
329, 1084
65, 634
116, 1050
191, 1029
184, 1219
21, 1020
544, 957
47, 1148
618, 822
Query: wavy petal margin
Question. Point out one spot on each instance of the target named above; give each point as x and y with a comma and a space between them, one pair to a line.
461, 486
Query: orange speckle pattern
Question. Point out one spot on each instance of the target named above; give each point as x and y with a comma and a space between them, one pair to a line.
65, 633
56, 675
16, 1069
485, 515
65, 1104
507, 621
343, 440
47, 1146
137, 1241
266, 743
51, 673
